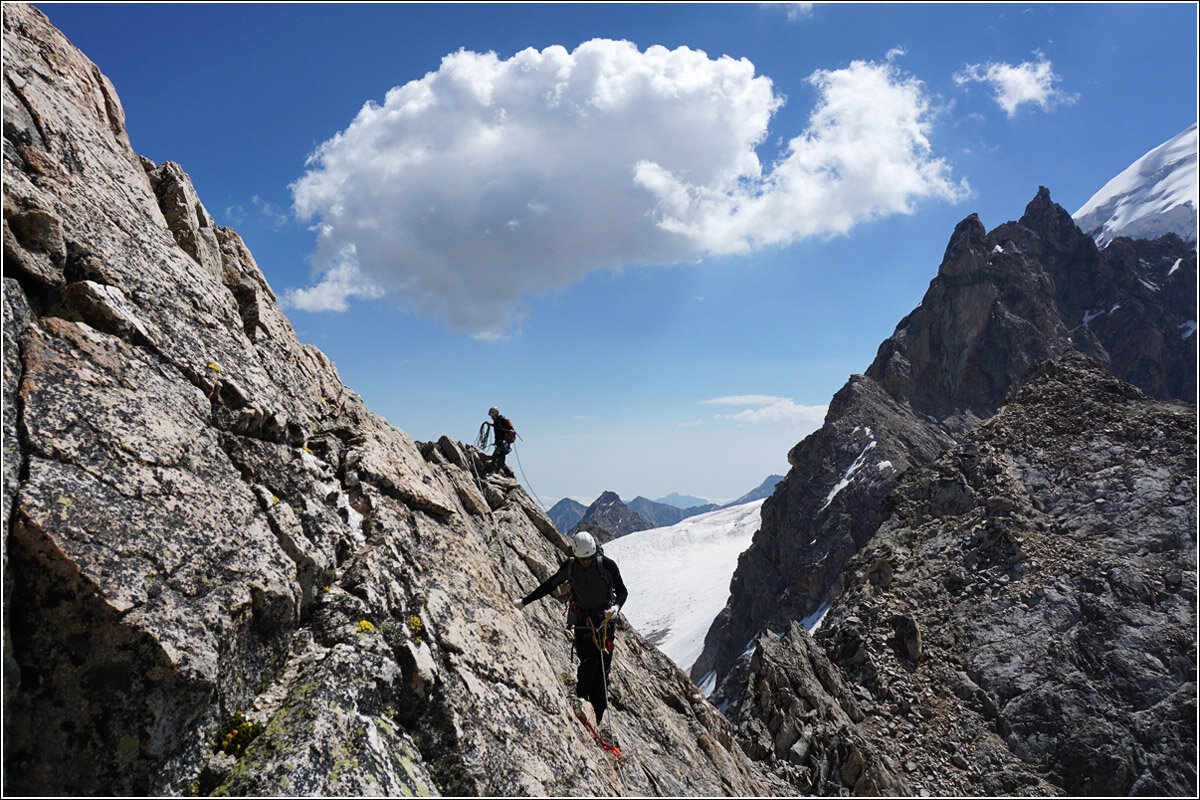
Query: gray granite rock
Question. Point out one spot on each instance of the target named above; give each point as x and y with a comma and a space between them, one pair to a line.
1057, 607
200, 519
800, 716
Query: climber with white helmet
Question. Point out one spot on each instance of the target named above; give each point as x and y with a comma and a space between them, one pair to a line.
597, 593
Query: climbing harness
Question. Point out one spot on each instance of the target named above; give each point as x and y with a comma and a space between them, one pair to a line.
600, 637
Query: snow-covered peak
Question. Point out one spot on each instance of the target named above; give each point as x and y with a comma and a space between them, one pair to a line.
1155, 195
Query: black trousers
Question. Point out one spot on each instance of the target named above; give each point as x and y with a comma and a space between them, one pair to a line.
594, 643
497, 462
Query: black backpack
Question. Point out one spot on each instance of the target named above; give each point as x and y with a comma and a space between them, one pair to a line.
599, 556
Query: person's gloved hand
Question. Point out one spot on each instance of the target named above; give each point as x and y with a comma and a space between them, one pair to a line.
519, 605
612, 611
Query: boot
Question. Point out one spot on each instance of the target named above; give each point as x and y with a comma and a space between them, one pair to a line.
609, 734
577, 707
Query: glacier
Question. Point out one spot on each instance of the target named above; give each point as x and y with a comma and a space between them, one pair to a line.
678, 576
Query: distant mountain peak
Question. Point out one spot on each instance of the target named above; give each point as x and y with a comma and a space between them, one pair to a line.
1153, 196
608, 518
566, 514
760, 492
682, 500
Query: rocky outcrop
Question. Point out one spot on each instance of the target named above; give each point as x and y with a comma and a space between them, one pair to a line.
1032, 289
608, 518
1151, 281
1029, 290
201, 520
1024, 620
799, 715
819, 517
1022, 623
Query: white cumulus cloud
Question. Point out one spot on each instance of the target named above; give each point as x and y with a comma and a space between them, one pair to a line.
341, 281
1030, 82
767, 409
795, 11
492, 180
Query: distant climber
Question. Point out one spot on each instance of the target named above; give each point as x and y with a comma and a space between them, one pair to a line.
597, 594
504, 436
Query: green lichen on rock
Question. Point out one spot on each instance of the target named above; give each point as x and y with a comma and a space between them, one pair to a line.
345, 759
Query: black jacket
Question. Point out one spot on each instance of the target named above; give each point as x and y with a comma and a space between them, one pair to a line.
505, 433
593, 587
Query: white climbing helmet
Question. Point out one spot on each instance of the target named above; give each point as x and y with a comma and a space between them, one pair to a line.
493, 411
583, 545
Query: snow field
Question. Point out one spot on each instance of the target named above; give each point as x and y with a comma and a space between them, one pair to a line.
678, 576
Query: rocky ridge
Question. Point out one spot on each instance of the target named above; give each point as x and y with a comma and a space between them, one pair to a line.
200, 519
660, 515
1024, 620
1022, 624
1028, 290
610, 517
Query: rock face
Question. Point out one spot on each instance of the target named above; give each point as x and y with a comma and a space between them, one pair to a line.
608, 518
200, 519
1029, 290
1024, 620
798, 714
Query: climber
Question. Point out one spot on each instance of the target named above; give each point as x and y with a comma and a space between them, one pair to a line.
505, 435
597, 594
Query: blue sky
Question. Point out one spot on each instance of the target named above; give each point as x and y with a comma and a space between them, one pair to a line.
658, 236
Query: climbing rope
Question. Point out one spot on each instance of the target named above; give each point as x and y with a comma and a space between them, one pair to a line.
485, 433
604, 683
525, 478
481, 443
612, 748
475, 472
598, 635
